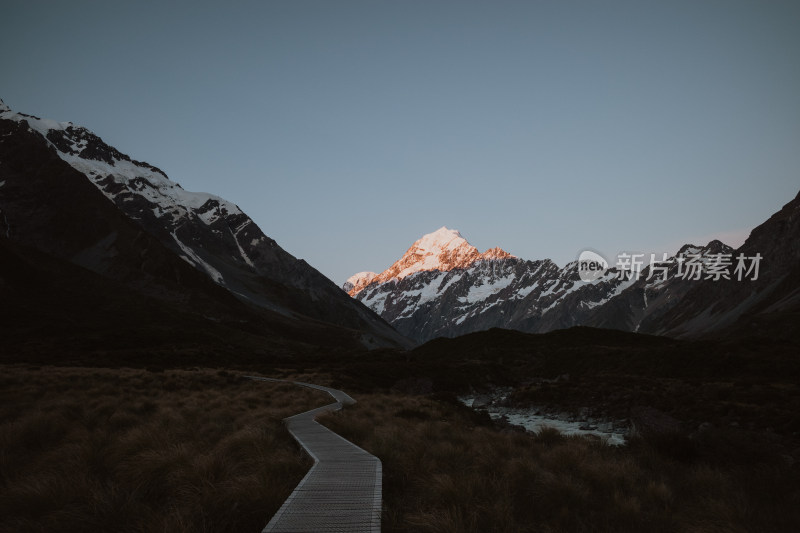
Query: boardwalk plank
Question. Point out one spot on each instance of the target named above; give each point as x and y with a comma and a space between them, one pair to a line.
342, 491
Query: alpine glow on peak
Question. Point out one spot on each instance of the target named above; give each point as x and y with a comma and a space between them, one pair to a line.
443, 250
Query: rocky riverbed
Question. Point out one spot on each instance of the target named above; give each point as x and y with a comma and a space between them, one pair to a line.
495, 404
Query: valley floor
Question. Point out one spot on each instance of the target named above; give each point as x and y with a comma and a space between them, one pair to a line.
97, 449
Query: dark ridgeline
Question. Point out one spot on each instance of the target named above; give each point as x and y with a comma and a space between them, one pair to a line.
103, 252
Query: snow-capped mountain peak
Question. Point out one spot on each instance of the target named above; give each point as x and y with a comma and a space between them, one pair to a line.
208, 232
466, 291
115, 173
496, 253
443, 250
441, 239
358, 281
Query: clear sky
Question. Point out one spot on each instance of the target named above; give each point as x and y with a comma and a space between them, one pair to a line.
347, 130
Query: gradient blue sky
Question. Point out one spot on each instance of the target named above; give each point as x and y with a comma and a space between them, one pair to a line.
347, 130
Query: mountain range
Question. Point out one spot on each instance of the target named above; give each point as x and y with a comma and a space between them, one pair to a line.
443, 287
98, 249
68, 199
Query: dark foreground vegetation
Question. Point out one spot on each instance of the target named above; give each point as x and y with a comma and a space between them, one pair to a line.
142, 447
751, 383
85, 449
448, 470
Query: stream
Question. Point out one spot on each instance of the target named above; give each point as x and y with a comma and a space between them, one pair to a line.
533, 419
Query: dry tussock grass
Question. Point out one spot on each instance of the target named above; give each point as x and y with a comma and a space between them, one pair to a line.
446, 470
134, 450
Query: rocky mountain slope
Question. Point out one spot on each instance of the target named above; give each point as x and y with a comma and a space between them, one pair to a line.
65, 192
770, 292
442, 286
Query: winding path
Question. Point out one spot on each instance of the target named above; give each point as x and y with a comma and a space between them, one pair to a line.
342, 491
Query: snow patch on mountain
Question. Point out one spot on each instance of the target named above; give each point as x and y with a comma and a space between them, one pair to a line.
376, 301
193, 259
72, 144
485, 290
360, 280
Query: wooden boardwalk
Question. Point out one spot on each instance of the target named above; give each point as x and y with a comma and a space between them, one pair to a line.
342, 491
